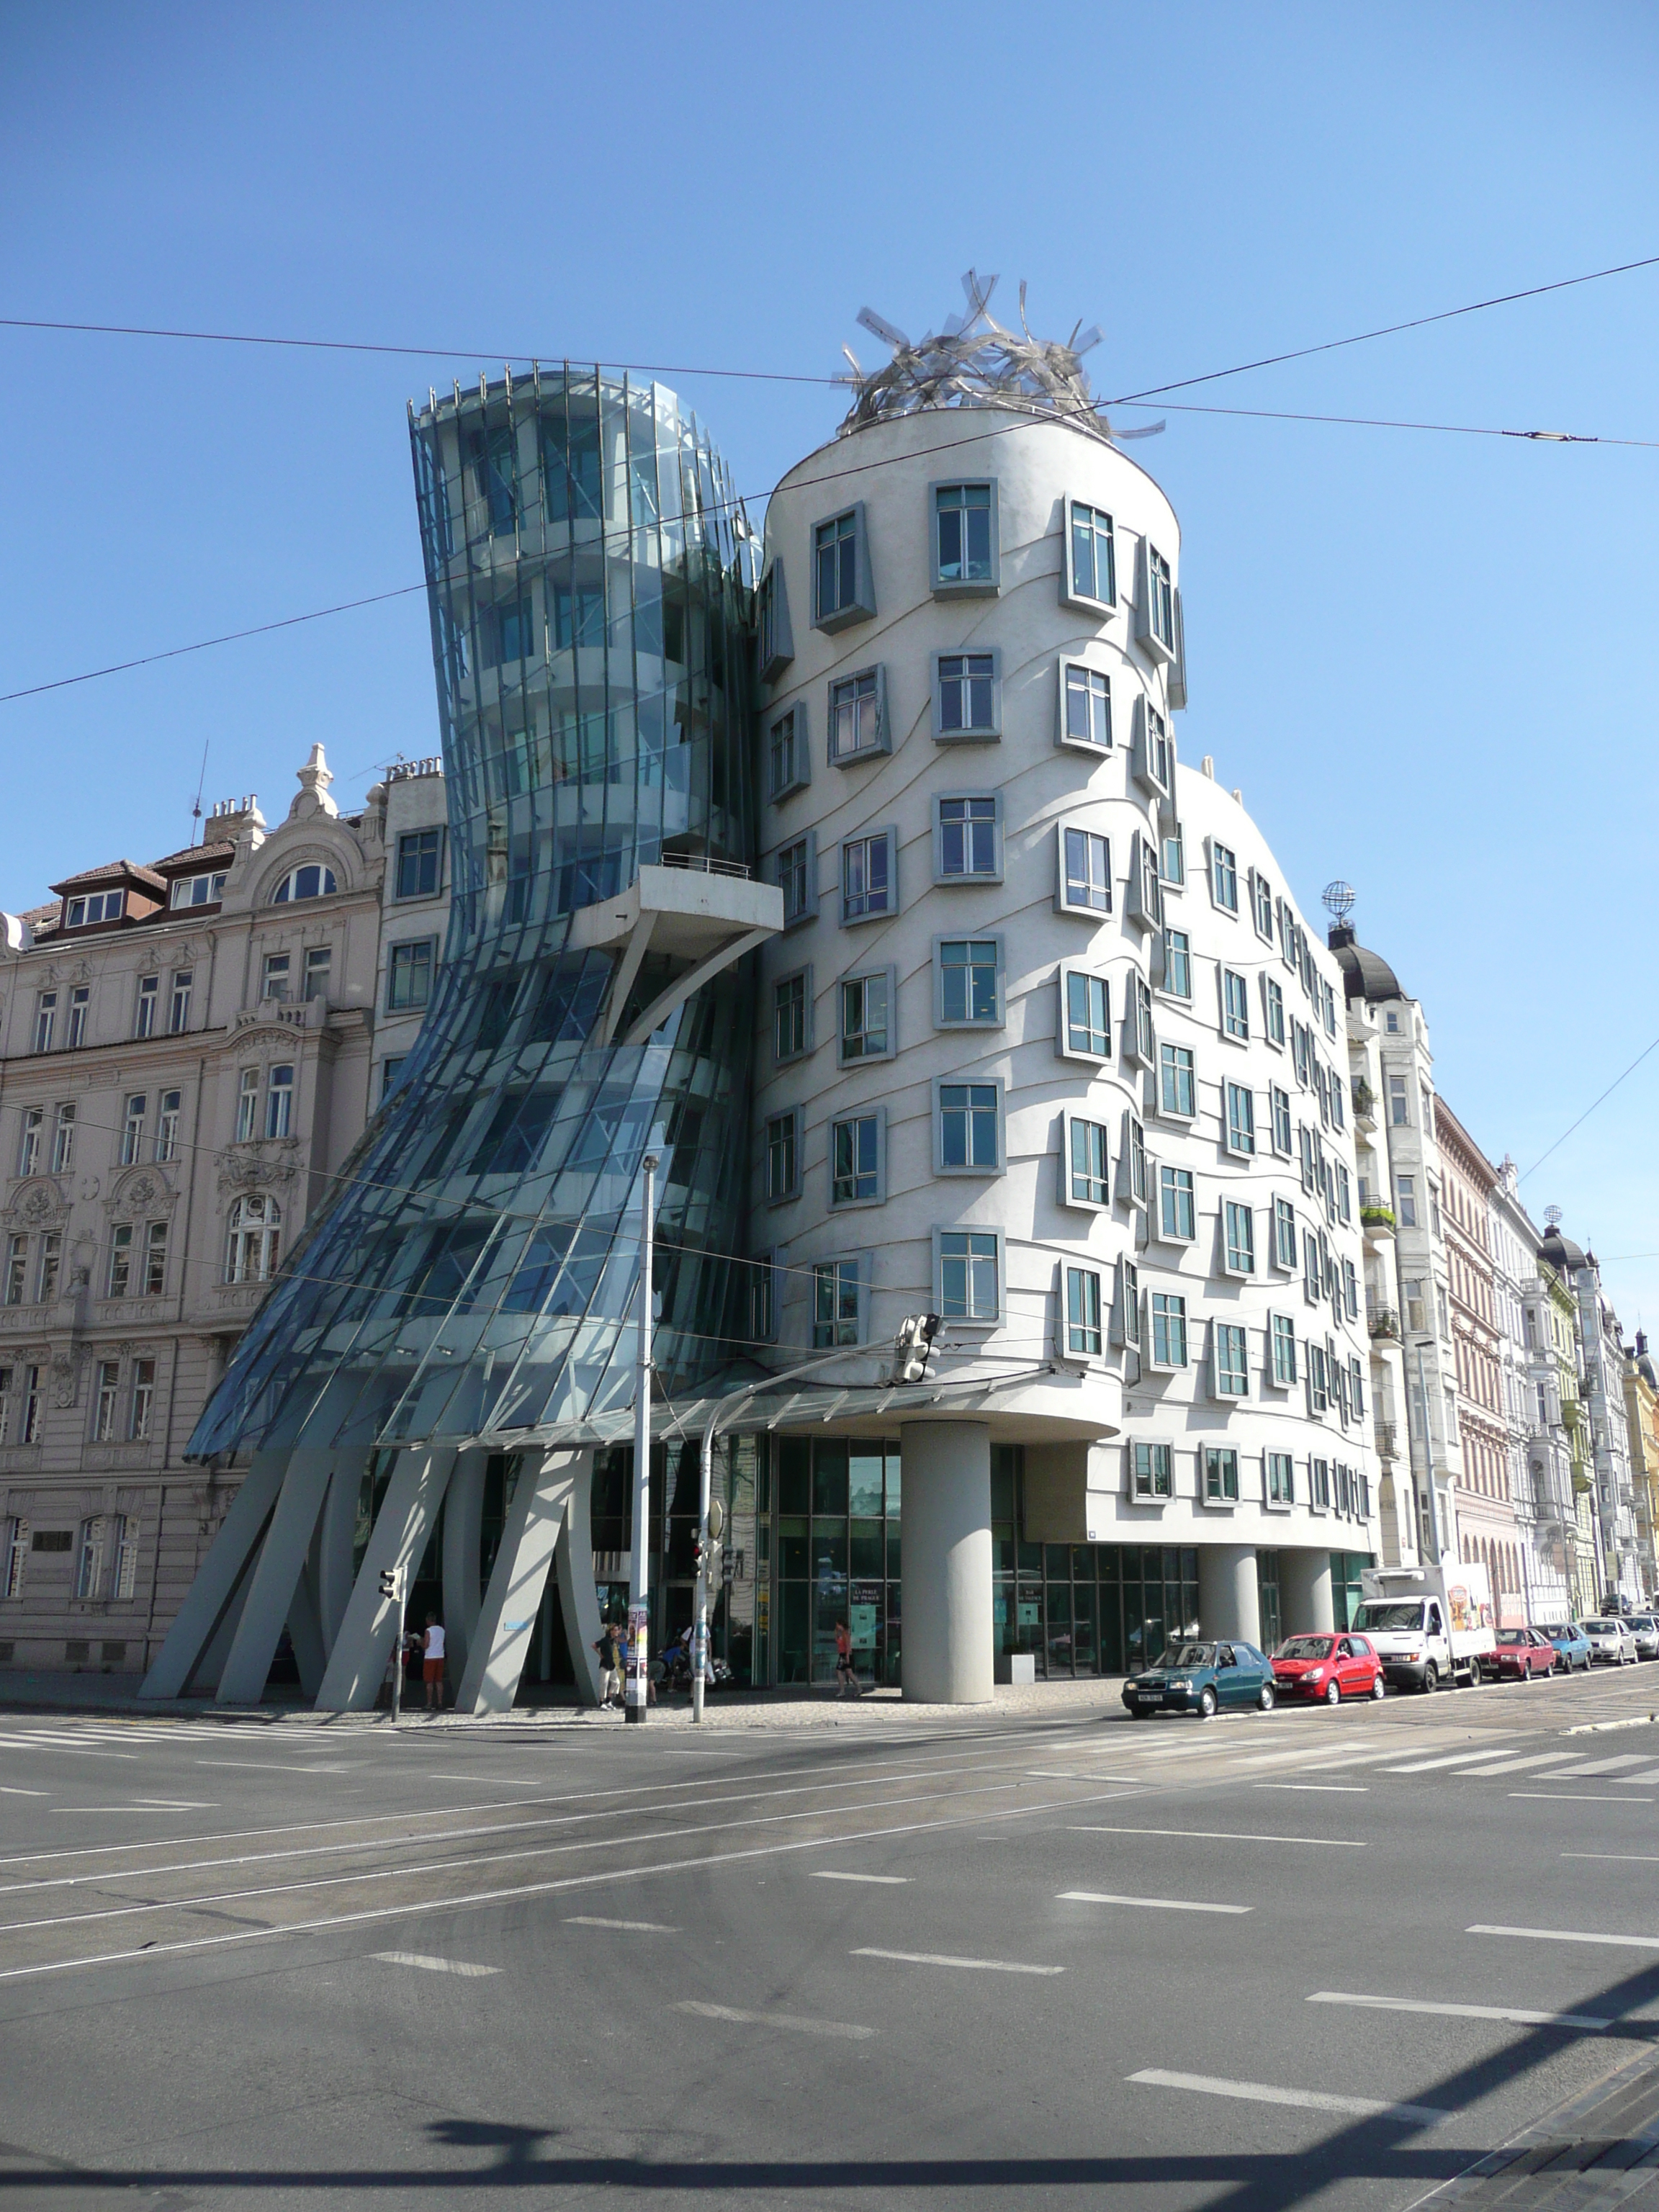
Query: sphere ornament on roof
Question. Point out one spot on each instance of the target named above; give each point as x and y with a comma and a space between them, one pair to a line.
977, 361
1338, 898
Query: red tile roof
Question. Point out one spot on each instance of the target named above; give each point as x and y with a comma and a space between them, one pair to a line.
113, 872
193, 856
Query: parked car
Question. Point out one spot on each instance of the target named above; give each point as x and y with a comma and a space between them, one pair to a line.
1200, 1677
1573, 1646
1610, 1640
1646, 1629
1519, 1655
1328, 1666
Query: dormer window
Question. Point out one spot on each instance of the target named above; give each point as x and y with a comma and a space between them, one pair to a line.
310, 882
199, 890
95, 906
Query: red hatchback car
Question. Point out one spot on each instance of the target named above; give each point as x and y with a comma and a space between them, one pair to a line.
1519, 1655
1331, 1666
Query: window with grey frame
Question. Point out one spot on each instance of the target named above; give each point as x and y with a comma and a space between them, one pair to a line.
1272, 999
1177, 1089
867, 1016
867, 872
1177, 964
968, 829
857, 716
1240, 1120
1169, 1319
1138, 1037
783, 1135
1157, 627
842, 591
854, 1158
1235, 1006
1087, 1001
1090, 577
1173, 860
1085, 705
965, 695
1224, 875
1153, 761
790, 1016
1177, 1210
970, 975
1086, 878
1220, 1474
410, 969
964, 538
420, 863
1239, 1226
1084, 1329
789, 756
776, 644
1088, 1164
837, 1303
1230, 1347
1151, 1470
970, 1272
797, 879
969, 1116
1262, 904
1285, 1236
1282, 1333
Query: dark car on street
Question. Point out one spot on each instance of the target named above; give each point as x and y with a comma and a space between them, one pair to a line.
1202, 1678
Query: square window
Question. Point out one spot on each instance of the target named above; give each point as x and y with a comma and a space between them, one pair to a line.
1152, 1470
869, 876
1239, 1225
409, 975
1220, 1475
867, 1003
1224, 876
1084, 1333
420, 859
1086, 1014
1240, 1120
1169, 1330
965, 695
1177, 1213
964, 539
1085, 871
791, 1016
783, 1155
970, 975
797, 866
789, 756
1283, 1333
1085, 705
837, 1303
857, 716
855, 1159
1284, 1242
841, 591
968, 1118
1088, 1168
1232, 1370
1177, 1081
970, 1274
968, 846
1091, 579
1177, 964
1235, 1006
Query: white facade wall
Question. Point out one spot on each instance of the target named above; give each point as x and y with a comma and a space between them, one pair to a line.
1116, 1398
1539, 1458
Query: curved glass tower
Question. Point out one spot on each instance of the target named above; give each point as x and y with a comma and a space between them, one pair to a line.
590, 579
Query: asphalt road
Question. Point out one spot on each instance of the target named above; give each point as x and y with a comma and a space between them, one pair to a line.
1004, 1963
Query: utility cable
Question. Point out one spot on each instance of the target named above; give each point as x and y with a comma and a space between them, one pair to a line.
1588, 1111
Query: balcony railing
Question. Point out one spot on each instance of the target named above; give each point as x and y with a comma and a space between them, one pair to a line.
1383, 1322
1386, 1439
705, 864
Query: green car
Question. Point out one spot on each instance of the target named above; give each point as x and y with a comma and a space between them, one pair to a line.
1201, 1678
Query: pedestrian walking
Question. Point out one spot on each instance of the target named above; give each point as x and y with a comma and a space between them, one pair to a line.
611, 1681
432, 1663
846, 1680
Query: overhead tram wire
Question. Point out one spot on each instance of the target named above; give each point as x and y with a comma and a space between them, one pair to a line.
1588, 1110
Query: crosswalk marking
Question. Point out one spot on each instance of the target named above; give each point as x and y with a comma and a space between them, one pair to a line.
1515, 1765
795, 2021
1152, 1904
943, 1959
432, 1966
1565, 1936
1266, 2092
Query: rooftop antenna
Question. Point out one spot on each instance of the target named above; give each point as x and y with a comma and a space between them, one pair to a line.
200, 786
1338, 900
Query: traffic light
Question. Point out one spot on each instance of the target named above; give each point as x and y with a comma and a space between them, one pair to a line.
697, 1554
914, 1342
388, 1581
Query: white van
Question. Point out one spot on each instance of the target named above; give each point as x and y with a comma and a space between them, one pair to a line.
1429, 1624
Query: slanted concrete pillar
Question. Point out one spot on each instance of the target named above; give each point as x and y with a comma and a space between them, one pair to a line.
1304, 1591
220, 1581
357, 1665
577, 1595
276, 1579
337, 1533
462, 1516
1228, 1602
542, 1503
944, 1524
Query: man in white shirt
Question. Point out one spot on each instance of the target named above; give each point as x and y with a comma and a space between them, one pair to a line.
432, 1663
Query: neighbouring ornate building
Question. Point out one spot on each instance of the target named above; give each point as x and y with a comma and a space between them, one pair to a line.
1642, 1421
185, 1049
1539, 1380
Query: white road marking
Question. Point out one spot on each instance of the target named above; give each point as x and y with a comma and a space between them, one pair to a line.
174, 1805
1429, 1765
1327, 1789
1566, 1935
1515, 1766
432, 1966
828, 1874
1463, 2011
1317, 2101
941, 1959
1633, 1858
1152, 1904
284, 1766
1579, 1797
1603, 1766
1223, 1836
843, 2027
1642, 1781
639, 1927
8, 1791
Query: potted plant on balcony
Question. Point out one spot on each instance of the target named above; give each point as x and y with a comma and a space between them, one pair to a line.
1377, 1218
1365, 1099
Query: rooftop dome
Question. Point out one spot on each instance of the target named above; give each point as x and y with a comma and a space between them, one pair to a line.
1365, 974
1561, 1252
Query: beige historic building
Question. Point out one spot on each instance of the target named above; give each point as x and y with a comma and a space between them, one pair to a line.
184, 1062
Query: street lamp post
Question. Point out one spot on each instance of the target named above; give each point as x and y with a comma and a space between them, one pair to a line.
636, 1688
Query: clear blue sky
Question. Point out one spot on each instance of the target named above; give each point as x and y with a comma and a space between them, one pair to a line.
1428, 661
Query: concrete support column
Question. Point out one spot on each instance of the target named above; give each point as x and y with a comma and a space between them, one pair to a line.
542, 1503
337, 1534
357, 1665
462, 1533
1304, 1591
275, 1582
944, 1525
1229, 1603
221, 1581
577, 1595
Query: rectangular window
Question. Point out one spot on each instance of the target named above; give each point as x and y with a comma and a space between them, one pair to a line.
1284, 1235
1232, 1369
1152, 763
969, 1137
133, 1129
865, 1017
178, 1004
1137, 1037
855, 1159
1085, 705
1274, 994
1160, 601
1223, 874
391, 1072
88, 1550
1177, 964
143, 1017
967, 981
1132, 1166
840, 568
790, 1006
1343, 1194
1084, 1337
1145, 891
409, 975
1174, 864
420, 857
106, 1401
1405, 1188
969, 1288
16, 1531
1337, 1110
968, 840
1240, 1119
80, 1002
1240, 1239
577, 619
1281, 1479
29, 1148
46, 1019
17, 1265
1087, 882
124, 1549
1177, 1081
273, 979
783, 1155
795, 880
1220, 1474
867, 886
1283, 1350
788, 760
965, 694
63, 1137
1319, 1380
118, 1280
1091, 556
965, 537
247, 1105
1280, 1101
1126, 1319
1176, 1209
166, 1125
1397, 1114
155, 1259
858, 724
1235, 1005
1089, 1171
1262, 904
1088, 1014
197, 890
320, 961
1312, 1273
1153, 1470
29, 1409
1319, 1484
49, 1266
1357, 1388
777, 640
143, 1400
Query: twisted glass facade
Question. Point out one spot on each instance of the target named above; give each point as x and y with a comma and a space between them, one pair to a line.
590, 578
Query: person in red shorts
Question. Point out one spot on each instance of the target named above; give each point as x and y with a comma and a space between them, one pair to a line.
432, 1663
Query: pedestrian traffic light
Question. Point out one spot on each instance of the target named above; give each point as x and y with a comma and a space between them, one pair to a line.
697, 1550
914, 1342
388, 1581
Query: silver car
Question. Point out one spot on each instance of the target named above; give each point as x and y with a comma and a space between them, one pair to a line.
1610, 1640
1646, 1629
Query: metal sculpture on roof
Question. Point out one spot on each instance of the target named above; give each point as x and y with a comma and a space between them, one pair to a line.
977, 361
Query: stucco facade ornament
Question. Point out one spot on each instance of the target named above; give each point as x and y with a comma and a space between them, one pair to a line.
38, 1203
144, 1191
66, 1366
258, 1166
